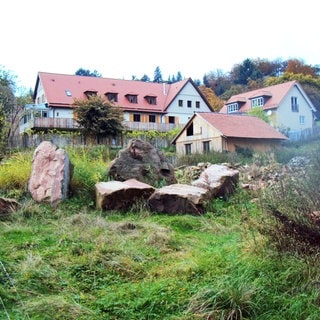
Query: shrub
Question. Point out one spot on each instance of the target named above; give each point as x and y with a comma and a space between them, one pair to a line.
291, 210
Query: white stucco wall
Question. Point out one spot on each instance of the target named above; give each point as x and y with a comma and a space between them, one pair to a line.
184, 113
287, 118
62, 113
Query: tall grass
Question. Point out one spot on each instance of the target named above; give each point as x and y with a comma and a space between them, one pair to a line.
90, 165
14, 174
74, 262
291, 207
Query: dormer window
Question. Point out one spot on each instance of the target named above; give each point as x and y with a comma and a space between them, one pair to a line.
151, 99
233, 107
112, 96
90, 93
132, 98
257, 102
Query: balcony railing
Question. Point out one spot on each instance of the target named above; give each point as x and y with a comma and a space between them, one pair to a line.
70, 124
145, 126
49, 123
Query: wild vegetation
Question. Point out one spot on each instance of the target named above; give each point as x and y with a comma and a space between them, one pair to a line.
237, 261
253, 256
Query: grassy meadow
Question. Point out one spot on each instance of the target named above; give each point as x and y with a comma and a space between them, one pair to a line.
234, 262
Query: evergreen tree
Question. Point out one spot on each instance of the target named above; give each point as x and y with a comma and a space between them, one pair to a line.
157, 75
145, 78
179, 76
88, 73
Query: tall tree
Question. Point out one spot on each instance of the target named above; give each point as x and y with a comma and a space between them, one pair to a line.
98, 117
298, 66
8, 107
88, 73
241, 73
145, 78
179, 76
157, 75
213, 100
218, 81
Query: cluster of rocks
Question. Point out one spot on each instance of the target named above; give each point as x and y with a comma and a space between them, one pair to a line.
139, 173
140, 168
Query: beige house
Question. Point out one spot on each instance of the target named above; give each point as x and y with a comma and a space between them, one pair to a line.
287, 106
207, 132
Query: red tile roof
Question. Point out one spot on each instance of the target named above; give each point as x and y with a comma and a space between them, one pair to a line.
274, 95
241, 126
56, 85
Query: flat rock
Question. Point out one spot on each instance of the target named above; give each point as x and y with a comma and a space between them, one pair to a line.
179, 199
219, 179
121, 195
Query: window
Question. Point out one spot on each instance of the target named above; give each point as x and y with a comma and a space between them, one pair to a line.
257, 102
151, 99
198, 104
152, 118
233, 107
189, 103
302, 119
180, 103
112, 96
190, 130
294, 104
90, 94
132, 98
188, 148
206, 146
136, 117
171, 119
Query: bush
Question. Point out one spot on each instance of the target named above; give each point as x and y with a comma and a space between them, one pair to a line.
291, 209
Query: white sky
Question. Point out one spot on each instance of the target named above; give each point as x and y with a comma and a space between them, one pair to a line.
121, 38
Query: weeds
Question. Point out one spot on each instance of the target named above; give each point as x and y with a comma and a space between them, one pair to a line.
292, 218
74, 262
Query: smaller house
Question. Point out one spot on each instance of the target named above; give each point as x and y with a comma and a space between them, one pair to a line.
210, 131
287, 106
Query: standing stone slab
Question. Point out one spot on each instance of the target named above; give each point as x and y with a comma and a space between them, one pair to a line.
117, 195
179, 199
50, 174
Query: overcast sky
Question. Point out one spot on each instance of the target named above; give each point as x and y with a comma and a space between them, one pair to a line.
122, 38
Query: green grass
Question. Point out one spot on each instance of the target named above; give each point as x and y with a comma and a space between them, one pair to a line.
75, 262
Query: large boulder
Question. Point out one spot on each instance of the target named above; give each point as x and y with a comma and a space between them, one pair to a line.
118, 195
143, 162
219, 179
50, 174
179, 199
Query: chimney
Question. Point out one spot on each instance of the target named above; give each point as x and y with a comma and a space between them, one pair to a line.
164, 88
